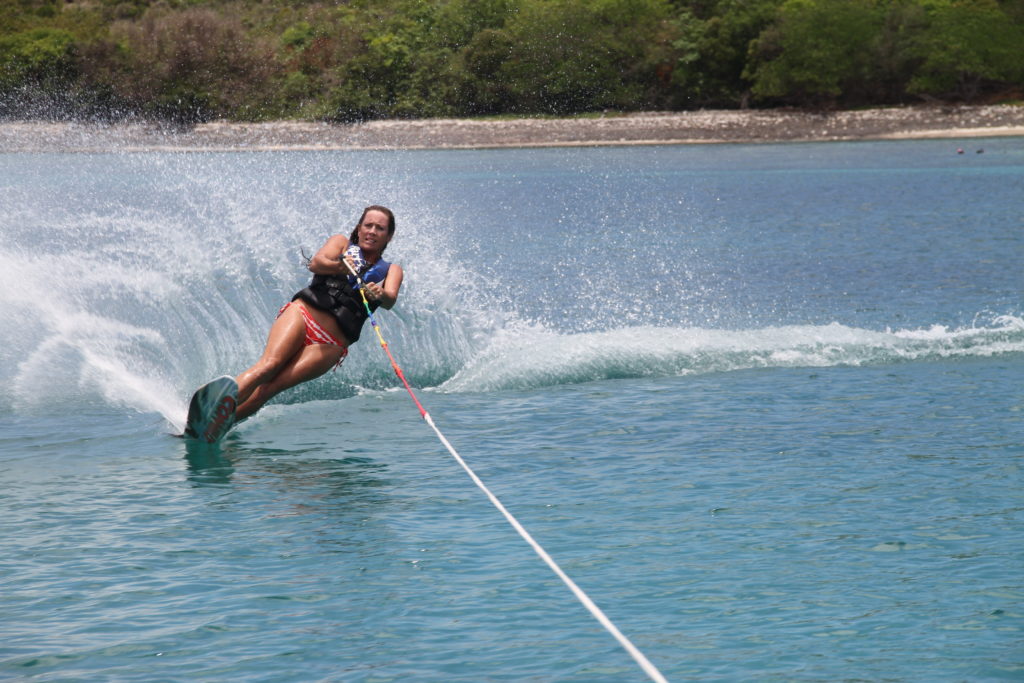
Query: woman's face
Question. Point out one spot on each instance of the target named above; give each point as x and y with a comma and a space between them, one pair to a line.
373, 231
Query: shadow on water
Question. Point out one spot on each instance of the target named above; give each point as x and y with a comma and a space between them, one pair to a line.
303, 474
207, 464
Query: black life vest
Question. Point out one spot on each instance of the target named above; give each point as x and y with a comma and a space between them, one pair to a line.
339, 296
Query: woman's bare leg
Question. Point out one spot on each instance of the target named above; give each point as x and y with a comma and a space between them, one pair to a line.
285, 340
312, 361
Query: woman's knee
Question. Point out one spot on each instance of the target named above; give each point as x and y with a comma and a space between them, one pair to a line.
267, 367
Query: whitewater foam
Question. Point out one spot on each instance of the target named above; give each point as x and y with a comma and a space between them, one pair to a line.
532, 358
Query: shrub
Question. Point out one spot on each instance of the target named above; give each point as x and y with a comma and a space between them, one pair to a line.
38, 56
37, 68
192, 65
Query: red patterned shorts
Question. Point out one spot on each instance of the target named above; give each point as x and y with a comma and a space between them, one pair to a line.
315, 334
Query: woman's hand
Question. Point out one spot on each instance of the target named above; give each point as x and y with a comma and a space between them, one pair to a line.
374, 292
348, 266
385, 294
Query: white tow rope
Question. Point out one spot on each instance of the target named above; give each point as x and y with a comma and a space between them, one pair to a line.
644, 663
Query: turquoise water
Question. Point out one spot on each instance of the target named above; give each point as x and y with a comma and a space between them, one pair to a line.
763, 403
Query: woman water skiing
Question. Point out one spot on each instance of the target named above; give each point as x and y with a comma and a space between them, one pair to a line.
313, 331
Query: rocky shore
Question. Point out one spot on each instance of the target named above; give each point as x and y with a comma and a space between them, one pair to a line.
748, 126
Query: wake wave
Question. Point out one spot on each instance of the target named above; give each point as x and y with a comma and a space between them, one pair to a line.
537, 358
159, 272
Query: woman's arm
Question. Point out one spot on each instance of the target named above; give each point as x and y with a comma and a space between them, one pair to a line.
387, 294
328, 261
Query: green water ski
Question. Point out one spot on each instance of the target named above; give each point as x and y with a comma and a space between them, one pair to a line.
211, 412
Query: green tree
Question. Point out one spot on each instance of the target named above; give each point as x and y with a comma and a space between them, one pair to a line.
482, 89
963, 45
712, 51
570, 56
411, 63
816, 51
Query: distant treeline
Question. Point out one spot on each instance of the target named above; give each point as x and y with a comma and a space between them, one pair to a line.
194, 60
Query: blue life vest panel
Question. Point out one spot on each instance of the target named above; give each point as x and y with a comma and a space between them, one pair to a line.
375, 273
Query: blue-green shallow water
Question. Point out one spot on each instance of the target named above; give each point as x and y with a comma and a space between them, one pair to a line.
763, 403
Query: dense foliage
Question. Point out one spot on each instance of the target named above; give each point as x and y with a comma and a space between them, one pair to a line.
192, 60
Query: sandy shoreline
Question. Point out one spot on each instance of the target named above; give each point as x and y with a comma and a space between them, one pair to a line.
749, 126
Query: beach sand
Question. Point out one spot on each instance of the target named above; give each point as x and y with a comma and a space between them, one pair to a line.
721, 126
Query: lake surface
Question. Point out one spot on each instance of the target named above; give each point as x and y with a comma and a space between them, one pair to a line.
762, 403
